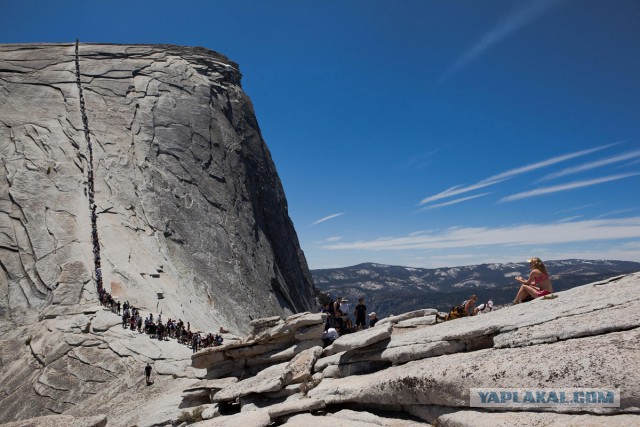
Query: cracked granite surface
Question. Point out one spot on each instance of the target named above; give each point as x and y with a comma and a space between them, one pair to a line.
188, 204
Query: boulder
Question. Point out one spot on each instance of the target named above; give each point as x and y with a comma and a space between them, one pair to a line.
613, 358
208, 357
416, 322
301, 365
302, 405
618, 318
104, 320
60, 420
211, 411
409, 315
227, 367
359, 339
328, 420
270, 379
306, 319
259, 418
323, 362
278, 356
212, 385
311, 332
407, 353
541, 419
348, 418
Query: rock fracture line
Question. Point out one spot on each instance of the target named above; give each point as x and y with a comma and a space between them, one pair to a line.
90, 182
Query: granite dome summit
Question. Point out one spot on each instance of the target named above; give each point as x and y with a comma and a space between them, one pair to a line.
191, 215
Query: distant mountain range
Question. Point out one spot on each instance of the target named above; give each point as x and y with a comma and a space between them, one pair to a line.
389, 289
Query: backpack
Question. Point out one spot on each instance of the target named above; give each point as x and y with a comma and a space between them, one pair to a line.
456, 312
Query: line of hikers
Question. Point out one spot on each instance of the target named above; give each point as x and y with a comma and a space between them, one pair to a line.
90, 191
156, 329
131, 316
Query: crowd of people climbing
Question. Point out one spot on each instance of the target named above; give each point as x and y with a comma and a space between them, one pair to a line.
90, 181
155, 328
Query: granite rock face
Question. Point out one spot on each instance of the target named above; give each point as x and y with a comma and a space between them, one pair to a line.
191, 217
191, 214
587, 337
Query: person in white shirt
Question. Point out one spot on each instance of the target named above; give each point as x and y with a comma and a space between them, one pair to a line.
485, 308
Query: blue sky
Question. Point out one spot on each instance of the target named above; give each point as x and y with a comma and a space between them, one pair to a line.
420, 133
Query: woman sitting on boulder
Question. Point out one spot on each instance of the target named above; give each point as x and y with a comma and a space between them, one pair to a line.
537, 285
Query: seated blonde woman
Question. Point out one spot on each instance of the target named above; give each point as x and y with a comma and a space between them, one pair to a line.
537, 285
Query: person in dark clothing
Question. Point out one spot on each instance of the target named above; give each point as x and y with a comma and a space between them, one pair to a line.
194, 343
373, 319
160, 331
360, 313
147, 373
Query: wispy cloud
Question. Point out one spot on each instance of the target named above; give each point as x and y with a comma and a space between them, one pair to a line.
327, 218
333, 239
635, 162
524, 14
565, 187
421, 160
502, 176
419, 232
453, 202
454, 191
569, 219
522, 234
575, 208
592, 165
616, 213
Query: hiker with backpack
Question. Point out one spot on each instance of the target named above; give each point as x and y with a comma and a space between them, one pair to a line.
537, 285
467, 308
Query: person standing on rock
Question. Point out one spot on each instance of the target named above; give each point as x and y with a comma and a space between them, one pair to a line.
147, 373
194, 343
360, 312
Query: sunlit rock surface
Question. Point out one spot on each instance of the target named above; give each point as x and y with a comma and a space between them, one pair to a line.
191, 217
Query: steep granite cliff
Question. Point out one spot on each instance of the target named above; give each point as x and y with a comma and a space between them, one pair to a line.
190, 216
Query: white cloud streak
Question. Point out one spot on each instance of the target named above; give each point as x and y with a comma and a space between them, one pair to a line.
615, 213
454, 191
453, 202
592, 165
327, 218
523, 15
565, 187
503, 176
523, 234
575, 208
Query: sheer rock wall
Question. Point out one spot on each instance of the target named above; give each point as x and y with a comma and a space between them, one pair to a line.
191, 214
